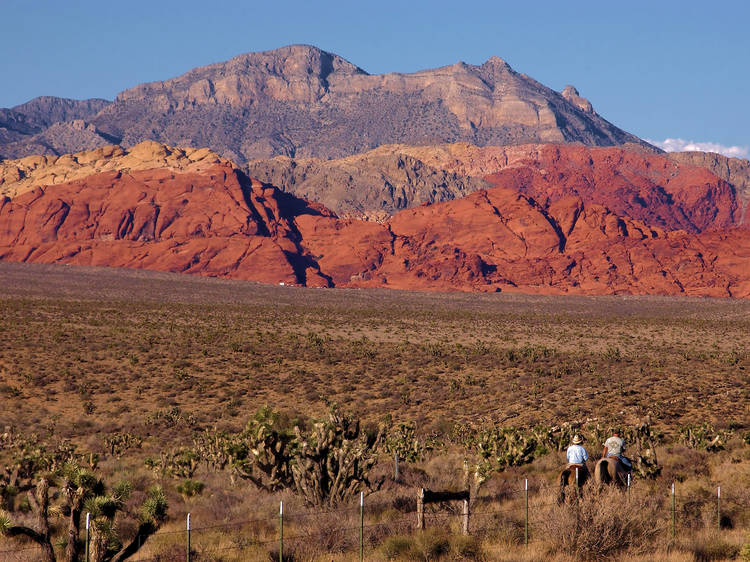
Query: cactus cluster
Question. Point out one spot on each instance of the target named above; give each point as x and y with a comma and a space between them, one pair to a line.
500, 447
324, 464
30, 458
643, 449
704, 436
402, 440
333, 460
117, 443
171, 418
181, 463
496, 447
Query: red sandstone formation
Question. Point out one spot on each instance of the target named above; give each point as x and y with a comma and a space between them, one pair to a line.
572, 220
211, 223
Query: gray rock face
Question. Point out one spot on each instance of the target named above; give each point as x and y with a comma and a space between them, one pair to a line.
47, 110
372, 185
50, 125
302, 102
15, 126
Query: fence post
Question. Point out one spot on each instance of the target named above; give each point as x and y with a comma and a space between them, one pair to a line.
395, 466
674, 514
526, 524
88, 516
466, 517
628, 485
420, 509
361, 526
718, 508
281, 531
188, 537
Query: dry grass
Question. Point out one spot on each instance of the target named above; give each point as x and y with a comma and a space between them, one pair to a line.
602, 524
95, 352
88, 353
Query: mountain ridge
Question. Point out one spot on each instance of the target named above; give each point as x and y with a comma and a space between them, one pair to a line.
302, 101
189, 211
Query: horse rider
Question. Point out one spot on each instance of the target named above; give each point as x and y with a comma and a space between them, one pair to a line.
614, 447
577, 456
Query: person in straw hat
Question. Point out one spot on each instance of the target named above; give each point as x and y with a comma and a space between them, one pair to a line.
577, 454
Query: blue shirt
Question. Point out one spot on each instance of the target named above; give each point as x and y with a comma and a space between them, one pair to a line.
577, 454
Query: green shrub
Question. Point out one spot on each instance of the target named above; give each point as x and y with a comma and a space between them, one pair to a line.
397, 546
190, 488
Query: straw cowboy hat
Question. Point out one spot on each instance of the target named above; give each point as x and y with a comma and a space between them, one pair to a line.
577, 440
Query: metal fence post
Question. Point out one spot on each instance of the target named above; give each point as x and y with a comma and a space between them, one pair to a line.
674, 514
88, 520
718, 508
526, 524
187, 555
281, 531
466, 518
361, 526
420, 509
628, 485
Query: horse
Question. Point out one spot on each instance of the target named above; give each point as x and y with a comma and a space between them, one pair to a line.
610, 470
572, 474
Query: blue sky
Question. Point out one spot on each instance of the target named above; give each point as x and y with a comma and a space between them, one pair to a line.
659, 69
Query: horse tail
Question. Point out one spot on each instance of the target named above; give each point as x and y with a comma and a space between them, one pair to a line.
601, 472
564, 477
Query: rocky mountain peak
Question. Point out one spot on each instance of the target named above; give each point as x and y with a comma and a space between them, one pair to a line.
571, 94
292, 61
496, 62
302, 101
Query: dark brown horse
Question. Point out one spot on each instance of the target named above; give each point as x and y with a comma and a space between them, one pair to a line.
610, 470
572, 475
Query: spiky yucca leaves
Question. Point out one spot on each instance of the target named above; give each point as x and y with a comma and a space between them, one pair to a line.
103, 510
153, 511
80, 484
333, 460
106, 544
151, 515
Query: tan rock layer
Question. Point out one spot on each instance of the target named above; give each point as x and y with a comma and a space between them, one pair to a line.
22, 175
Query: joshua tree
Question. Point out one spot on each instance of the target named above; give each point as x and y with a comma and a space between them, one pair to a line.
39, 501
333, 460
79, 489
324, 465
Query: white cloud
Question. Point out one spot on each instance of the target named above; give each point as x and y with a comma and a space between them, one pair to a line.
680, 145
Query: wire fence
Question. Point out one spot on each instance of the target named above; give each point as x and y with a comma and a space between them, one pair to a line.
378, 520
